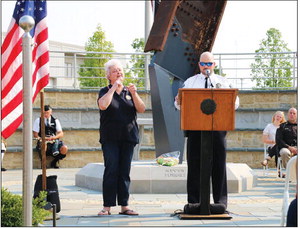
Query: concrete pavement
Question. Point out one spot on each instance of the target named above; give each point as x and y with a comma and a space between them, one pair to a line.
260, 206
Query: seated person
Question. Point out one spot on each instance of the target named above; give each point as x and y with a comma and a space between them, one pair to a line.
53, 132
269, 136
286, 137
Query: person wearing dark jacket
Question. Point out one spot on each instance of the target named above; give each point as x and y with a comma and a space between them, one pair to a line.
286, 137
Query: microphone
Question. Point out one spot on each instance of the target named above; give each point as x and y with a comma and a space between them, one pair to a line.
207, 72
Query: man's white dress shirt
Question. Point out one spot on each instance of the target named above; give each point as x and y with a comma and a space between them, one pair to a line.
214, 81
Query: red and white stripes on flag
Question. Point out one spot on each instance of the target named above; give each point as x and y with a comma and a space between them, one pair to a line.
11, 69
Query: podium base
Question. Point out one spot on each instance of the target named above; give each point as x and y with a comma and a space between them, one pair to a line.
216, 217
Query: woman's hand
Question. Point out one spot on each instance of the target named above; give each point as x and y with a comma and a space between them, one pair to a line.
132, 88
138, 103
117, 84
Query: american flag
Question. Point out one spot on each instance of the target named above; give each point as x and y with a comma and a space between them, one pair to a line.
11, 69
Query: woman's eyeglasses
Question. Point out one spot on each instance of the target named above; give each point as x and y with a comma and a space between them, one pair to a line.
207, 64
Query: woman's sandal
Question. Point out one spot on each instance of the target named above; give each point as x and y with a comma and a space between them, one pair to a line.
128, 212
104, 212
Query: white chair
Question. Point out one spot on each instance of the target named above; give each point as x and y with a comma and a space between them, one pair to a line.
291, 175
265, 155
279, 167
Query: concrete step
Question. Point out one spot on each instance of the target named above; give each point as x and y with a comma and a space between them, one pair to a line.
81, 137
89, 137
255, 118
78, 98
78, 157
81, 117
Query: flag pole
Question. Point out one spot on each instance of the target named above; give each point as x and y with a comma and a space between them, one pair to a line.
26, 23
148, 24
43, 146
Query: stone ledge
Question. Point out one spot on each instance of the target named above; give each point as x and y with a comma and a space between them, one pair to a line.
148, 177
147, 127
88, 109
143, 148
84, 90
74, 149
269, 91
148, 91
245, 149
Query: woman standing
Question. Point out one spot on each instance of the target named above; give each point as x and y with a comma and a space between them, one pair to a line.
118, 136
269, 134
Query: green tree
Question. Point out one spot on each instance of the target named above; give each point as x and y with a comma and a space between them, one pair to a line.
136, 73
217, 71
91, 72
272, 70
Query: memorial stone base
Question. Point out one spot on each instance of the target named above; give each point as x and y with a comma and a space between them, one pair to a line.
149, 177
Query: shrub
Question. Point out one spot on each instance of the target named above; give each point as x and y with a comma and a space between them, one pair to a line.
12, 209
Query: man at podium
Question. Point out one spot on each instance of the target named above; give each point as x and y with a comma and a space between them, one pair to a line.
206, 79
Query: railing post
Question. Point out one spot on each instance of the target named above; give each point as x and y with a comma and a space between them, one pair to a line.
242, 83
74, 71
147, 79
294, 70
220, 64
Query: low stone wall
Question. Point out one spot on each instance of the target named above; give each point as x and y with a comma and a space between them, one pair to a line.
78, 159
63, 98
78, 112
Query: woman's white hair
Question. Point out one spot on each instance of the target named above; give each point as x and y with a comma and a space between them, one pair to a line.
109, 64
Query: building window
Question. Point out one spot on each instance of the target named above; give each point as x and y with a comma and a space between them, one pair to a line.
68, 70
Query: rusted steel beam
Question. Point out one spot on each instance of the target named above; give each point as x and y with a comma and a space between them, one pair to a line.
198, 23
161, 25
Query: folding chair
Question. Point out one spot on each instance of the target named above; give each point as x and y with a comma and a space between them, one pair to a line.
279, 166
291, 175
265, 155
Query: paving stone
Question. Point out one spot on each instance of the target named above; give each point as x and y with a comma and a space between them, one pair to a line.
259, 206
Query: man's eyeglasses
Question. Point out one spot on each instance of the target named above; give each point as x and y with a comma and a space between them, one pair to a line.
207, 64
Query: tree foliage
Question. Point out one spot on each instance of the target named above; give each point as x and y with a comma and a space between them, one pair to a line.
218, 71
136, 74
272, 70
92, 74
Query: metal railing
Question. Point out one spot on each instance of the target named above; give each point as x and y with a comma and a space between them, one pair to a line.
67, 69
237, 67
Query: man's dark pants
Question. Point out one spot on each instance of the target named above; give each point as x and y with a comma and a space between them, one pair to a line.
116, 179
218, 167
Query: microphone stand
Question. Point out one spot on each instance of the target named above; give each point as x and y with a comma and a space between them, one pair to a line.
205, 165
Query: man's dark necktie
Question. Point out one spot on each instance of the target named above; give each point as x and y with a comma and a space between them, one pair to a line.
205, 86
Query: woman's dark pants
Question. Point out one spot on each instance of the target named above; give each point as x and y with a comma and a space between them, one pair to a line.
116, 179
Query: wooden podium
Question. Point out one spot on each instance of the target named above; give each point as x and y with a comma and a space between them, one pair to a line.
207, 110
194, 118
